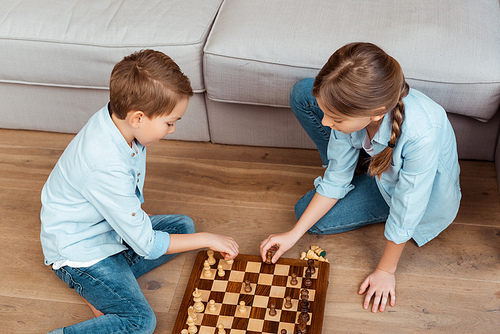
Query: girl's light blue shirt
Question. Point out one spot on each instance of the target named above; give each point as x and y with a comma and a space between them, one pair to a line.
421, 186
92, 199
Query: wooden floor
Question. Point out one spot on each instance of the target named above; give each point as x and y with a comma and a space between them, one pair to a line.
451, 285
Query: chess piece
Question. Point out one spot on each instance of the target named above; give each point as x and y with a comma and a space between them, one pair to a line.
184, 331
293, 280
269, 257
248, 287
221, 271
242, 307
318, 250
283, 331
308, 282
211, 306
221, 329
198, 305
272, 310
304, 294
310, 265
192, 329
288, 302
302, 327
211, 259
229, 262
207, 272
192, 313
311, 255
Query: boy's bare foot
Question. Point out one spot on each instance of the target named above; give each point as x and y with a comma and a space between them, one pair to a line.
96, 312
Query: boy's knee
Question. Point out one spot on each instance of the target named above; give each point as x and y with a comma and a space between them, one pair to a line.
300, 91
144, 322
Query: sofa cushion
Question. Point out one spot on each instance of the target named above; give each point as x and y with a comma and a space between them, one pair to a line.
76, 43
258, 49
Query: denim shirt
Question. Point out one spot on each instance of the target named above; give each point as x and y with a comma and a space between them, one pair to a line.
421, 185
92, 199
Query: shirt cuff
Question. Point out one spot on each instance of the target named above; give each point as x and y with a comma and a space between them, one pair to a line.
395, 233
331, 191
160, 246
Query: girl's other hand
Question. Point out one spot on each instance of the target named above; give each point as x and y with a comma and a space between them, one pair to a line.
381, 285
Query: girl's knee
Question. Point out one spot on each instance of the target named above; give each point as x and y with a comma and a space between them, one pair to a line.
301, 92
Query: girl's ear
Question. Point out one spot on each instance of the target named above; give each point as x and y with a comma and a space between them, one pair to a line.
378, 117
135, 118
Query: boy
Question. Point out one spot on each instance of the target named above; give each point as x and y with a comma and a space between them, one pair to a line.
94, 232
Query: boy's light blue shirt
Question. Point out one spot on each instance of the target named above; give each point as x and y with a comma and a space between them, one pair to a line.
421, 186
92, 198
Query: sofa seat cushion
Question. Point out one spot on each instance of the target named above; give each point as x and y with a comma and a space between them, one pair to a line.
258, 49
76, 43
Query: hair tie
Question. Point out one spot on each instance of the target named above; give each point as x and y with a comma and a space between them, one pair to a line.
390, 144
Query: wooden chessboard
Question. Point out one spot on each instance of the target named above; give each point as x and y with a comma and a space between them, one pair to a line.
270, 285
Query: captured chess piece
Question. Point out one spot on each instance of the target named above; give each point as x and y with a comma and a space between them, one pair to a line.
269, 257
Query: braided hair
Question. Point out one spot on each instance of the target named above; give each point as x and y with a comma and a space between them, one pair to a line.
361, 80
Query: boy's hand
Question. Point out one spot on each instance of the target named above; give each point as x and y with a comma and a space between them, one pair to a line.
279, 243
382, 284
228, 248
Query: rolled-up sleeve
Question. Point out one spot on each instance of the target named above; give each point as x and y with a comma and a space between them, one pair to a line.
342, 156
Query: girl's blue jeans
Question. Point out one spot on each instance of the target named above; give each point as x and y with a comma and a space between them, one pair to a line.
364, 204
111, 286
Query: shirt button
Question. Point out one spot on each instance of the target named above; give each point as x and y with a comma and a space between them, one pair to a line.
133, 155
133, 213
138, 174
137, 180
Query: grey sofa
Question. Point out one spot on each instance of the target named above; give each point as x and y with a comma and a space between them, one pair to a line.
243, 57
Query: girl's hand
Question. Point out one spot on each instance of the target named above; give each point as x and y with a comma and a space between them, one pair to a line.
228, 248
382, 284
278, 242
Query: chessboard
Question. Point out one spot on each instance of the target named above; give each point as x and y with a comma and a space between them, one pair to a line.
224, 291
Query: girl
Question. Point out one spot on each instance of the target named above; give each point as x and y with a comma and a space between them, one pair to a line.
360, 103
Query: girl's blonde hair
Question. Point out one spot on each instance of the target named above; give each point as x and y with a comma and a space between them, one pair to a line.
361, 80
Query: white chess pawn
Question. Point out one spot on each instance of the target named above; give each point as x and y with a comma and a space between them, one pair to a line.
207, 272
211, 259
221, 272
184, 331
242, 307
221, 329
211, 306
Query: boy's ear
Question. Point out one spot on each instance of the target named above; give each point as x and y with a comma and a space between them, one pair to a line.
135, 118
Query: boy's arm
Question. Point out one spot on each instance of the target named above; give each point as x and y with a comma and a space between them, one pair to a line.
186, 242
382, 282
316, 209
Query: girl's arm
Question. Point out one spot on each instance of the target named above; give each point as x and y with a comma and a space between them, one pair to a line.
382, 282
186, 242
316, 209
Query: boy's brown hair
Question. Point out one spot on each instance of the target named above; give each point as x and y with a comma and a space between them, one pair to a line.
149, 81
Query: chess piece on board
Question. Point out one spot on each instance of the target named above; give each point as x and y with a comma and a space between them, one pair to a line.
207, 272
248, 287
198, 305
310, 265
192, 313
283, 331
192, 329
184, 331
221, 329
211, 259
293, 280
211, 306
221, 271
288, 302
272, 310
242, 307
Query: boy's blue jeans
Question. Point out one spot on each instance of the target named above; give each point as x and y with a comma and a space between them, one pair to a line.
111, 286
361, 206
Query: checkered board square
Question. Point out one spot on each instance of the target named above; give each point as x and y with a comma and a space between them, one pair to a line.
270, 285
